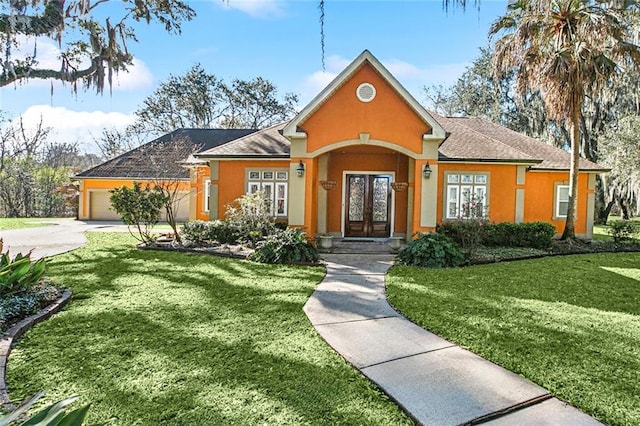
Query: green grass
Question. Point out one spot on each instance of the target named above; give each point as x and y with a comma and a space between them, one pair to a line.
7, 223
570, 324
167, 338
601, 232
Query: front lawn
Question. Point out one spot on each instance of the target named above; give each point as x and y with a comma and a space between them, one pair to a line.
7, 223
170, 338
569, 323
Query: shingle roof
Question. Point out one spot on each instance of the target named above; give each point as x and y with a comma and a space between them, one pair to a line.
162, 156
268, 143
468, 139
472, 138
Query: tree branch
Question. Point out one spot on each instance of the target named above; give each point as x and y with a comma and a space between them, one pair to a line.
52, 19
66, 76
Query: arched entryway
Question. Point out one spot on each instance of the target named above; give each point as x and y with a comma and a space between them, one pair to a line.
363, 204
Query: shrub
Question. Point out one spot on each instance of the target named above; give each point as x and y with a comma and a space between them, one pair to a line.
18, 274
622, 230
506, 234
138, 207
19, 306
290, 245
467, 233
52, 415
196, 232
202, 233
281, 224
250, 216
431, 250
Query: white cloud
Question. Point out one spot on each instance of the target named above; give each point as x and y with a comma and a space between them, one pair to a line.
313, 83
75, 126
138, 76
431, 74
257, 8
412, 77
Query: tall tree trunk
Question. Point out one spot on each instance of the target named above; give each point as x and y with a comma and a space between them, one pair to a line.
624, 211
606, 211
569, 227
602, 205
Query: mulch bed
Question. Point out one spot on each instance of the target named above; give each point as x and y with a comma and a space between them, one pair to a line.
486, 255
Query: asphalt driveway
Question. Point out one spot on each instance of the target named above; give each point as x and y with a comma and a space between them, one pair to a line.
58, 236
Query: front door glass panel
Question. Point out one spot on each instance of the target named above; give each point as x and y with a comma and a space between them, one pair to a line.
368, 206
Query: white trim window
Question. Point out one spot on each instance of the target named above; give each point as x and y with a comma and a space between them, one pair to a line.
207, 195
275, 186
562, 201
466, 195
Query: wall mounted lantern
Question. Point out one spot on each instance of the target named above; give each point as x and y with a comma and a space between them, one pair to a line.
300, 169
426, 172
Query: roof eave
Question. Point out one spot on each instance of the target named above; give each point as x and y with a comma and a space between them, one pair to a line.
136, 178
242, 156
566, 169
488, 160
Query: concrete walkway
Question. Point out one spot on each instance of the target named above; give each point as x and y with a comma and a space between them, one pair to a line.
58, 236
435, 381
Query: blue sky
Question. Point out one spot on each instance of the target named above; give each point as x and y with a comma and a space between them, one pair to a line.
277, 39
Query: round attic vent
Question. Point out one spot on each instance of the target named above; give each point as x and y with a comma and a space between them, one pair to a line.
366, 92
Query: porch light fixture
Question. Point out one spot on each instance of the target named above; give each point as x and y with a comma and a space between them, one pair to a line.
300, 169
426, 172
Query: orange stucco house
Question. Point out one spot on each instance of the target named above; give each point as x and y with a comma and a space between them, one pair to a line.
365, 160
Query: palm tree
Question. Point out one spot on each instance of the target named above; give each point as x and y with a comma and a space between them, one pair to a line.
567, 50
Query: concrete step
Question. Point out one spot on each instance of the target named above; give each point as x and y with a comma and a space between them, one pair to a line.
349, 246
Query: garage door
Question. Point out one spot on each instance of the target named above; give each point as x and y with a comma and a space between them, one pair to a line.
183, 208
99, 206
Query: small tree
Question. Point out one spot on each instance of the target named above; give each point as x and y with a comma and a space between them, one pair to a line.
172, 197
138, 207
251, 216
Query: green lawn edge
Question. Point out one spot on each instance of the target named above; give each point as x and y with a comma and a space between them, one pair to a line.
570, 324
9, 223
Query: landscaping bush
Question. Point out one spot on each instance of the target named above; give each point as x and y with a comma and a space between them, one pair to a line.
138, 207
18, 274
196, 232
15, 308
250, 216
52, 415
290, 245
203, 233
469, 234
622, 230
506, 234
22, 290
431, 250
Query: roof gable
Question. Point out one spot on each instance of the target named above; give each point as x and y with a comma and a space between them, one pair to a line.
292, 129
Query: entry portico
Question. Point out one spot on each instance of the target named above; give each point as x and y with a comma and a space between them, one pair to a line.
362, 133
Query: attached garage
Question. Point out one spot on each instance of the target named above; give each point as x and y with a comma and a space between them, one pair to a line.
165, 156
99, 206
183, 208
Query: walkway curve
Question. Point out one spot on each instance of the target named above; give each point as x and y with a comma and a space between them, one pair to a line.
435, 381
